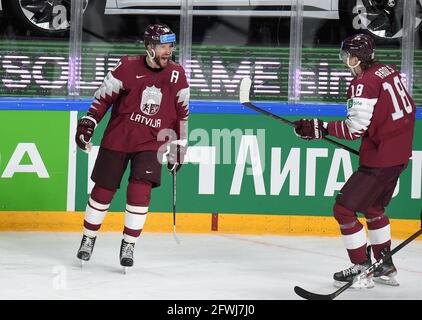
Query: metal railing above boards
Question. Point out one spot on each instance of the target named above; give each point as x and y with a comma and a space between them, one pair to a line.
44, 66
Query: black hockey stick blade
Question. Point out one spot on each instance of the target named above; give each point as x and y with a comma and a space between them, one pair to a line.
245, 87
305, 294
315, 296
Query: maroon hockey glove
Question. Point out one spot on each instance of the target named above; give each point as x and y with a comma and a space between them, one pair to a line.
310, 129
84, 132
176, 156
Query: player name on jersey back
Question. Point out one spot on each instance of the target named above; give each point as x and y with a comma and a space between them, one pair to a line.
384, 72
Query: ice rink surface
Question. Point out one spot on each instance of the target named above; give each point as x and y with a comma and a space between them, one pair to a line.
203, 267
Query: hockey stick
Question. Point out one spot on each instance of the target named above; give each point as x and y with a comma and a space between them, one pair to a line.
315, 296
245, 86
174, 206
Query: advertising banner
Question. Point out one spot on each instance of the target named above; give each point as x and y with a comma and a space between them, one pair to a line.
34, 156
255, 165
236, 163
39, 69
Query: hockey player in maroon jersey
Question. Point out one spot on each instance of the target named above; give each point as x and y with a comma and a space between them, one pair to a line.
149, 95
382, 114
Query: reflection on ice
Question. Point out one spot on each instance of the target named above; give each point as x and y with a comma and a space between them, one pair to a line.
210, 266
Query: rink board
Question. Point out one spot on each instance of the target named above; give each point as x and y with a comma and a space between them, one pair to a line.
289, 179
314, 172
263, 224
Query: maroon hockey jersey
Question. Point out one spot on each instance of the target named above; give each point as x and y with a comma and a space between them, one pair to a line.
144, 101
382, 113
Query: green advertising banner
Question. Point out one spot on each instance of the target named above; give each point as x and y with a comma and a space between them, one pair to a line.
34, 152
252, 164
236, 163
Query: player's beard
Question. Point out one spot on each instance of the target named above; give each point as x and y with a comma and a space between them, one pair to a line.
161, 61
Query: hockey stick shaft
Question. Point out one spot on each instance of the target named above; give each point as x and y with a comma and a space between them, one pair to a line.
244, 100
174, 198
174, 205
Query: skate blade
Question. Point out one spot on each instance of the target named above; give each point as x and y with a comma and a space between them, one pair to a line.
389, 281
176, 238
81, 263
363, 284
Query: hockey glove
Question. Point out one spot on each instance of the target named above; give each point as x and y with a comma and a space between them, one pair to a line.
84, 132
310, 129
176, 155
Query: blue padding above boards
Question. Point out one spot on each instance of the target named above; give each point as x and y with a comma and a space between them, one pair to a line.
196, 106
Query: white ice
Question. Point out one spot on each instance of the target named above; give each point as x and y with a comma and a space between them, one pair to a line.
212, 266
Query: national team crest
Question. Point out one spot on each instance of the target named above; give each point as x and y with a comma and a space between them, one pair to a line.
151, 100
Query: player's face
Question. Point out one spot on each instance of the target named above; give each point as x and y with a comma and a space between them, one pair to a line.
163, 54
348, 59
353, 61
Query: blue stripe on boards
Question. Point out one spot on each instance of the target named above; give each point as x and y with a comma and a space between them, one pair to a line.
195, 106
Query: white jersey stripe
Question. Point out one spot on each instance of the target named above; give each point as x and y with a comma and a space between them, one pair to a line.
342, 129
93, 216
183, 96
359, 114
136, 209
355, 240
109, 86
380, 236
97, 205
134, 221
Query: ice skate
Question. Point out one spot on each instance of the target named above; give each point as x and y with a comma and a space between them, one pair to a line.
126, 255
385, 273
86, 248
347, 275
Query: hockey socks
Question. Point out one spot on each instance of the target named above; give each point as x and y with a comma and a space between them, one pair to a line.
96, 209
353, 233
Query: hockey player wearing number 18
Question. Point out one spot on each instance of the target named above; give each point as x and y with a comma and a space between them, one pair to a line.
149, 95
382, 114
